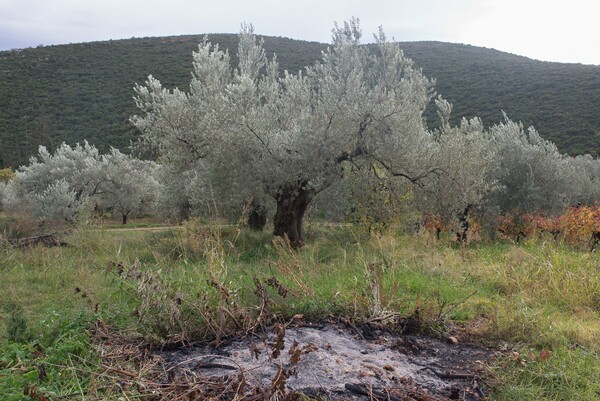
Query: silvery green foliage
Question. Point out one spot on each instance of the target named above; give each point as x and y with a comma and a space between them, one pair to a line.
128, 185
189, 131
59, 186
251, 132
583, 178
57, 202
10, 200
77, 165
464, 159
173, 201
69, 175
531, 173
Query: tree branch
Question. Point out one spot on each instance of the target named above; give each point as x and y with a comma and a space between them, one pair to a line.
416, 180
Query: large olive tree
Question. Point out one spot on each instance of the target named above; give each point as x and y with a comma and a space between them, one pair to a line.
287, 136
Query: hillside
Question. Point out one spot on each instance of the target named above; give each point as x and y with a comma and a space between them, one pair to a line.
84, 91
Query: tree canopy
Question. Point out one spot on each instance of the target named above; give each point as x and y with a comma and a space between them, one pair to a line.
60, 186
288, 137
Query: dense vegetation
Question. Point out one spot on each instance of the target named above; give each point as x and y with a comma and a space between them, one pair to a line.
84, 91
345, 138
527, 299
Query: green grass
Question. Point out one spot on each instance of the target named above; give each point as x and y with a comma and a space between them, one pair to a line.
527, 298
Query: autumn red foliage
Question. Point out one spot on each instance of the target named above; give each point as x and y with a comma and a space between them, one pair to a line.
578, 226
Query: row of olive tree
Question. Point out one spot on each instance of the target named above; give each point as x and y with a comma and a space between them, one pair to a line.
347, 132
503, 169
60, 186
349, 126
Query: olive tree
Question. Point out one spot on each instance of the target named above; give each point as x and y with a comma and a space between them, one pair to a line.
56, 186
57, 202
465, 158
583, 179
532, 174
287, 136
78, 165
129, 185
59, 186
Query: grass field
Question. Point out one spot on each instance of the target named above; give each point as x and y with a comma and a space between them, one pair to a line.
537, 303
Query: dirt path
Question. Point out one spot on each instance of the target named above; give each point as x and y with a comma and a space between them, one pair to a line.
148, 229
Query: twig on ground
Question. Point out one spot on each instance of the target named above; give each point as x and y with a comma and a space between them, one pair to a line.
451, 375
348, 323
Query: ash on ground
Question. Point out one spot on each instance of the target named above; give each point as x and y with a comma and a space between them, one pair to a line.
336, 362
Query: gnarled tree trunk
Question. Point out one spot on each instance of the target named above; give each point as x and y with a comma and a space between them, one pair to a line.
291, 205
257, 218
463, 225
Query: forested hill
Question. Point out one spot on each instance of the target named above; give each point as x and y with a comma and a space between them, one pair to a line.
84, 91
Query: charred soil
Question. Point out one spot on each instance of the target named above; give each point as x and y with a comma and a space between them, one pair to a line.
328, 361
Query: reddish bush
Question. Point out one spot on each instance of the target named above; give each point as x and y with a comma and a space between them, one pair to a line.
516, 225
581, 226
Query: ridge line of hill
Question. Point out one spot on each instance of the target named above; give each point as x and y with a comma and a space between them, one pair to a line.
69, 93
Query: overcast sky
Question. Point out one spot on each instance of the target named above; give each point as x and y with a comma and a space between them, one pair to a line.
550, 30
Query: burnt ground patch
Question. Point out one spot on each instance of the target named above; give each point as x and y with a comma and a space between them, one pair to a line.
329, 361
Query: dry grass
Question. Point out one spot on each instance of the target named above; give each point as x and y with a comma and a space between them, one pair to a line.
203, 281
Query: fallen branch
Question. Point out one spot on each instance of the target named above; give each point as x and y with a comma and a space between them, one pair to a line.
207, 365
214, 366
44, 239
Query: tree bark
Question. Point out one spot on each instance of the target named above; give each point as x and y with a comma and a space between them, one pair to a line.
463, 225
257, 218
291, 205
124, 218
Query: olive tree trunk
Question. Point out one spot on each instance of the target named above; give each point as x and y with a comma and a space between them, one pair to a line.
257, 218
291, 205
464, 225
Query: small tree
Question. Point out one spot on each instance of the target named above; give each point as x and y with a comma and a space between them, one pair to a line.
531, 173
59, 186
129, 185
465, 158
288, 136
56, 185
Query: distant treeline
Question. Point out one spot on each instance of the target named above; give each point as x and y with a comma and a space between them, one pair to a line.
68, 93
